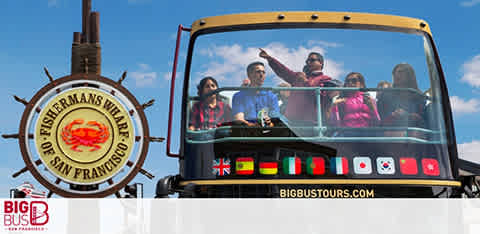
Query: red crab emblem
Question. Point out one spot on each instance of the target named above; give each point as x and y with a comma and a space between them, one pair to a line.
85, 136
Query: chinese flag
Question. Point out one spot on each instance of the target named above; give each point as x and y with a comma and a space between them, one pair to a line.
408, 166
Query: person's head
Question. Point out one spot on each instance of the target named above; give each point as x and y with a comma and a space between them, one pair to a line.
384, 85
404, 76
207, 85
256, 74
314, 62
286, 93
354, 80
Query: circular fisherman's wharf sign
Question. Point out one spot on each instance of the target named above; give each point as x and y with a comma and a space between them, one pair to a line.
84, 135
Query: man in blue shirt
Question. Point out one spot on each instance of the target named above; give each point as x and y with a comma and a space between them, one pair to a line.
252, 106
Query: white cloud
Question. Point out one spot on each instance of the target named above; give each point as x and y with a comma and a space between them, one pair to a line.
228, 63
471, 71
324, 44
53, 3
168, 76
144, 77
469, 151
461, 106
470, 3
144, 66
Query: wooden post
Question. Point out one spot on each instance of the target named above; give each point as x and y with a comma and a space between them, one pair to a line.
77, 38
94, 27
86, 8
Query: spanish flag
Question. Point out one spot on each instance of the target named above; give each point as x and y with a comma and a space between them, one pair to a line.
268, 168
244, 166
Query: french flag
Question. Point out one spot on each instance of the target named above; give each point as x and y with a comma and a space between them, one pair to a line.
339, 165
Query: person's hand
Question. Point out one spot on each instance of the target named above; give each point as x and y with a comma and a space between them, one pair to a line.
268, 121
302, 77
246, 82
339, 100
263, 54
399, 112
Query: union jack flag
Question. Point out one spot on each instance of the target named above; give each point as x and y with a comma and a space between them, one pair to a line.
221, 166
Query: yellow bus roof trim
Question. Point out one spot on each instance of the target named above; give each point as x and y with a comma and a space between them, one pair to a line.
325, 181
344, 18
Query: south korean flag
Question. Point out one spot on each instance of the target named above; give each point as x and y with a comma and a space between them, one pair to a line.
385, 165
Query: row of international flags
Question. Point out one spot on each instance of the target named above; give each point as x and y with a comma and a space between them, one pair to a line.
318, 166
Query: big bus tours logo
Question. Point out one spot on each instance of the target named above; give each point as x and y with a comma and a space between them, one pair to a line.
25, 215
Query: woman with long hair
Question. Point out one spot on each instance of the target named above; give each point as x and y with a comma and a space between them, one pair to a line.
403, 108
210, 111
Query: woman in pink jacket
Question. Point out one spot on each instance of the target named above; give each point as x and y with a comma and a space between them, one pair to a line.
354, 109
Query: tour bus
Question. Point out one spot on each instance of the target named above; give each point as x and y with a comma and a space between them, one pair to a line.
313, 105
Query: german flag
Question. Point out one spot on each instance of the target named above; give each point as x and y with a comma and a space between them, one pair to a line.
244, 166
268, 168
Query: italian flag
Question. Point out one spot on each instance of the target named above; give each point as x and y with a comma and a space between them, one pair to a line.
268, 168
292, 166
315, 166
244, 166
339, 165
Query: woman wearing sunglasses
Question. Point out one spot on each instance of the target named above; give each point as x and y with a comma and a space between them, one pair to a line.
302, 106
354, 108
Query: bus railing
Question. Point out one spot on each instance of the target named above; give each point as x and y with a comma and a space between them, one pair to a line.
320, 127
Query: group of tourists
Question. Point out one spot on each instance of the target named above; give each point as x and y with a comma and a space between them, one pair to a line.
403, 105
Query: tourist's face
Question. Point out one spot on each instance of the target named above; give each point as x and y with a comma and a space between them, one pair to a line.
209, 87
353, 82
257, 76
314, 63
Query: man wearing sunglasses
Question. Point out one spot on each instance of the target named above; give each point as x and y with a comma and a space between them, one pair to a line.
302, 105
255, 107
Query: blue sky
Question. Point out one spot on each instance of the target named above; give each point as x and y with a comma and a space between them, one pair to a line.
139, 36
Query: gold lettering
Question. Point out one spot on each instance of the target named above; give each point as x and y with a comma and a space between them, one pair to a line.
116, 158
119, 118
101, 170
64, 103
122, 126
108, 166
94, 173
55, 160
66, 169
86, 174
108, 105
91, 98
48, 122
57, 107
51, 114
83, 99
44, 132
77, 172
122, 146
99, 100
73, 99
123, 133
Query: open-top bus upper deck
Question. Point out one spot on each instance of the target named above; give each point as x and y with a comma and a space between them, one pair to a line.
325, 133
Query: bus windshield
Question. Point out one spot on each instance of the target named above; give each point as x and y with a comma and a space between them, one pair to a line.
344, 94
